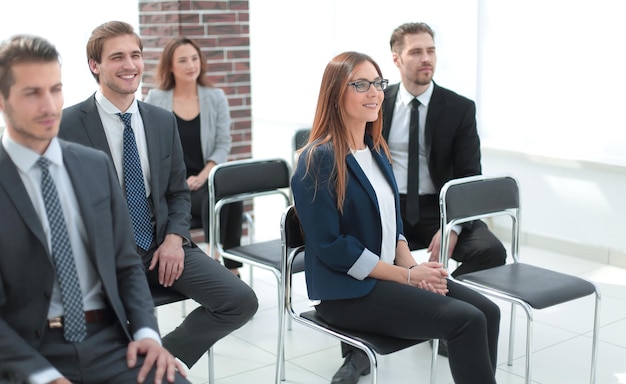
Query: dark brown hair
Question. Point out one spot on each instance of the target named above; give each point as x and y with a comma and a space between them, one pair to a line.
329, 122
104, 32
166, 62
23, 49
397, 37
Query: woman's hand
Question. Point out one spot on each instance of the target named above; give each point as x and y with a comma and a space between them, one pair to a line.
429, 276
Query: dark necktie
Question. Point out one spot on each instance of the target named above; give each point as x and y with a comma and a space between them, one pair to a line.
135, 188
74, 327
412, 210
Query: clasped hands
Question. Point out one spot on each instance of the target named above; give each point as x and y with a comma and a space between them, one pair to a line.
430, 276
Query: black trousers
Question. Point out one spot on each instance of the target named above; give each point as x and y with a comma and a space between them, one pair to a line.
476, 249
466, 319
230, 221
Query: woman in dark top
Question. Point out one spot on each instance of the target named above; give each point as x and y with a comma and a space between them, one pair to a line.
358, 262
203, 118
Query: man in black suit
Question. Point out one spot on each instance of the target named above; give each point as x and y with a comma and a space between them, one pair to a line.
449, 148
446, 147
74, 301
105, 121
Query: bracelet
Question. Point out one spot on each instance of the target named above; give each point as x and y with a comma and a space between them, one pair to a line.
408, 279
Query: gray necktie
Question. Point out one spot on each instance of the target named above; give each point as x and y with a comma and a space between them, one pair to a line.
74, 326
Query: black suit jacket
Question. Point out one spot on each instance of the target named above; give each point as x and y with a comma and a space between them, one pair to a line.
169, 200
452, 143
26, 269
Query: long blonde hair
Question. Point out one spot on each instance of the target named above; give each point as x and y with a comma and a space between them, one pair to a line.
329, 123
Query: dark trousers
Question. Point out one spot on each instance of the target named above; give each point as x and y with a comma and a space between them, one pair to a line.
230, 221
466, 319
476, 249
100, 358
226, 303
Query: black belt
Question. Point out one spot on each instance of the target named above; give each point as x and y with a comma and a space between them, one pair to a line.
95, 316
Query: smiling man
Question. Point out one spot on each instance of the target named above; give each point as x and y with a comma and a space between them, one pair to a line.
143, 142
74, 303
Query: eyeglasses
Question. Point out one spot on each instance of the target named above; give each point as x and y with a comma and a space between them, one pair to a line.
364, 85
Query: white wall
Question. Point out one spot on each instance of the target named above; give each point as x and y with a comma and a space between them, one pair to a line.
547, 78
67, 24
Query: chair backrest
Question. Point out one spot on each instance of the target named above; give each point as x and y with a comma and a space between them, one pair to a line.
300, 138
241, 180
478, 197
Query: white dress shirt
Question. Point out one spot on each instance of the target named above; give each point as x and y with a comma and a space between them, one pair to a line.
114, 131
398, 140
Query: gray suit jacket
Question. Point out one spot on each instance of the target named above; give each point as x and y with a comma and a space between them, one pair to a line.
214, 120
26, 269
169, 200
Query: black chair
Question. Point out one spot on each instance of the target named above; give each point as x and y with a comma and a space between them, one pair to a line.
242, 180
292, 241
162, 296
530, 287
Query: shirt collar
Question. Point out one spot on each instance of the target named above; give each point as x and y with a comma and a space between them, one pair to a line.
111, 109
25, 158
424, 98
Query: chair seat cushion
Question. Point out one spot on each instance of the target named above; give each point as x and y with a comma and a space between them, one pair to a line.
383, 345
539, 287
267, 253
162, 296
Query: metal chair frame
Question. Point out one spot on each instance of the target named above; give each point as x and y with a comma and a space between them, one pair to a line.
292, 242
479, 197
249, 179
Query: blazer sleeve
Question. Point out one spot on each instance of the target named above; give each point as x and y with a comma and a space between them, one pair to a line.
216, 147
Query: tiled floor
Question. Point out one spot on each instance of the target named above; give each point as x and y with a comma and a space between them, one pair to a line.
562, 337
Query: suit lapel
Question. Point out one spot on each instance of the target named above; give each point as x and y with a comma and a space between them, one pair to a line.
12, 184
93, 126
388, 105
383, 165
74, 167
435, 109
151, 128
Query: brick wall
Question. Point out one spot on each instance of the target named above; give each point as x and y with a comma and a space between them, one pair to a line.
221, 29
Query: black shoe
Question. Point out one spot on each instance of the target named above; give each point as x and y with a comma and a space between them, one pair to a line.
443, 347
354, 366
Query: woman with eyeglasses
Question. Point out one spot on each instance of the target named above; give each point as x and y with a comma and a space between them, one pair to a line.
203, 118
358, 263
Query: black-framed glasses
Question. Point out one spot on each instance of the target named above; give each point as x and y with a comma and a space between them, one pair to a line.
364, 85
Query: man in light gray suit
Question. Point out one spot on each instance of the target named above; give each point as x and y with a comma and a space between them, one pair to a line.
74, 302
114, 53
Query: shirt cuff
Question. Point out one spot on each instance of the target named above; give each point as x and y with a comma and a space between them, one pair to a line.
364, 265
45, 376
147, 333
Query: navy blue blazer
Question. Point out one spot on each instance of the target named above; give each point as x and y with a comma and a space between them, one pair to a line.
335, 241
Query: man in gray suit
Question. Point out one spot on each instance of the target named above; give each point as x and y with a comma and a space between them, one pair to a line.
74, 302
114, 53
